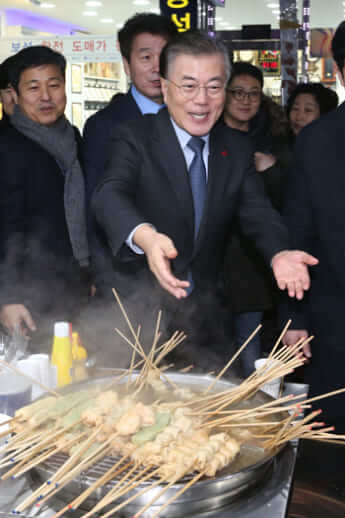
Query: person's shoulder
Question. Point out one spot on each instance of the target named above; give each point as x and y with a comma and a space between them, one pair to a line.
143, 127
119, 111
325, 126
236, 138
10, 137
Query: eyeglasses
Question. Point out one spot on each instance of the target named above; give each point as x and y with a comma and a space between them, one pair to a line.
191, 90
241, 95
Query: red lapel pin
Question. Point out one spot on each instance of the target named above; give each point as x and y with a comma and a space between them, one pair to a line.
224, 153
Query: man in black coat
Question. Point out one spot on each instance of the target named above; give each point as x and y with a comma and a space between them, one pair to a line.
141, 41
42, 210
315, 215
148, 204
6, 92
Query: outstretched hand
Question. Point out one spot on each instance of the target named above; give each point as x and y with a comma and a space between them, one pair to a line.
290, 269
160, 250
17, 317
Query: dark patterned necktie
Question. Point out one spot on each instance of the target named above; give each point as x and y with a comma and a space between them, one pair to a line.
197, 177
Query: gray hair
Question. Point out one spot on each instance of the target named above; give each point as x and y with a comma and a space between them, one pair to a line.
193, 43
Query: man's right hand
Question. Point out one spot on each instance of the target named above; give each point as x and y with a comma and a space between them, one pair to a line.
17, 317
291, 337
159, 250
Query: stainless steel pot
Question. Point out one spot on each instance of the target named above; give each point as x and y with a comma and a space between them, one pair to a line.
207, 494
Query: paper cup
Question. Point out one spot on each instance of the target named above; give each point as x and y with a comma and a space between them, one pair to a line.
15, 392
45, 368
273, 387
31, 367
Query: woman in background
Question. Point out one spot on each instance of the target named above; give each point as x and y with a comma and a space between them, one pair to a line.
248, 279
308, 102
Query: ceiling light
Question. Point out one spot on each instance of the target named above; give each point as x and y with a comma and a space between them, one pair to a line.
106, 20
223, 24
276, 11
90, 13
141, 2
47, 5
272, 6
155, 10
119, 25
218, 18
93, 4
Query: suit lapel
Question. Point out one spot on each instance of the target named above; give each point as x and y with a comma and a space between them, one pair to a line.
132, 108
174, 165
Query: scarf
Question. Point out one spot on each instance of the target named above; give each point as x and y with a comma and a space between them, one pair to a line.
59, 140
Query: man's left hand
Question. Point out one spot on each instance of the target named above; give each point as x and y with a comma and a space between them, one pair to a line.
290, 269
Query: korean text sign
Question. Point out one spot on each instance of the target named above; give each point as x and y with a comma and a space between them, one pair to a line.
184, 13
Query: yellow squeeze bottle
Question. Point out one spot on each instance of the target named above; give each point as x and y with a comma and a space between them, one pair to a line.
79, 355
62, 353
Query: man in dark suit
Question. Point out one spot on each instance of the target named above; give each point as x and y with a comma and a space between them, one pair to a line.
141, 41
167, 199
315, 215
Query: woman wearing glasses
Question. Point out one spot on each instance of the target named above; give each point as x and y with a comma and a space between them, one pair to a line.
249, 281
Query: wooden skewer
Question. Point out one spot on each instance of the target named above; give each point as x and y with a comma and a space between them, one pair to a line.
232, 359
72, 474
110, 474
131, 367
187, 369
29, 378
143, 491
46, 442
323, 396
177, 495
282, 334
133, 497
41, 458
121, 488
103, 480
158, 495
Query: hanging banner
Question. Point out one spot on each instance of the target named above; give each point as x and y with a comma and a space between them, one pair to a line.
75, 48
184, 13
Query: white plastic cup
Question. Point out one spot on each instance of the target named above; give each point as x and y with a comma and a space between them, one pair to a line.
15, 392
273, 387
31, 367
43, 361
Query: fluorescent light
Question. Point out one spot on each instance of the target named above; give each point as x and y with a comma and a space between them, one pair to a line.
218, 18
90, 13
106, 20
141, 2
47, 5
155, 10
272, 6
223, 23
93, 4
276, 11
119, 25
